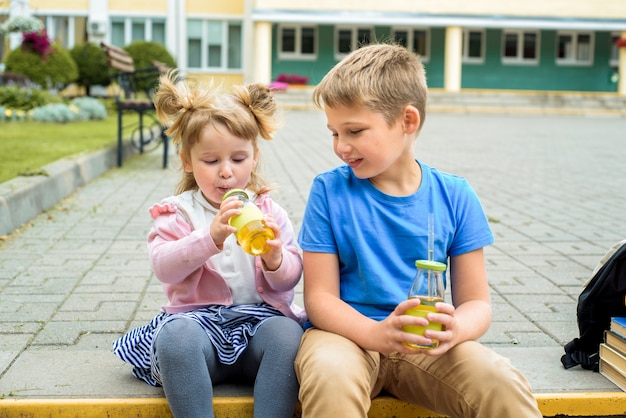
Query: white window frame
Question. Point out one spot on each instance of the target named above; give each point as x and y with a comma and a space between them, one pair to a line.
425, 57
466, 38
298, 54
354, 44
519, 59
573, 58
224, 43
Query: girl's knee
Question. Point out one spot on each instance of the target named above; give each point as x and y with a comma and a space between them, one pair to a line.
282, 330
172, 333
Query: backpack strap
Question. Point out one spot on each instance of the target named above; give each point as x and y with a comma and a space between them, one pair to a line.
574, 356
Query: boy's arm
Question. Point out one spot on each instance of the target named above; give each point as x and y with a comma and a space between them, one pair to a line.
471, 315
324, 307
328, 312
470, 295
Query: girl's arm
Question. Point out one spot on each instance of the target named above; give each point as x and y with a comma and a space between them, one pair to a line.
175, 249
282, 265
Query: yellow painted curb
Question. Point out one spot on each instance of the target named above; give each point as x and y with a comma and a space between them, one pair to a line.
597, 404
240, 407
602, 404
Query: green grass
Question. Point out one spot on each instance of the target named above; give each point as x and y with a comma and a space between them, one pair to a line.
25, 147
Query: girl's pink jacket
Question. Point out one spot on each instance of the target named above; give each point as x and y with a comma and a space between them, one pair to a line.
180, 248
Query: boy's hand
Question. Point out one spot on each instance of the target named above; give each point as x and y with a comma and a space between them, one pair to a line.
220, 229
445, 316
394, 338
274, 256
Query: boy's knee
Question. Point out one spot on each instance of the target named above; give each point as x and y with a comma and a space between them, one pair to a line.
334, 368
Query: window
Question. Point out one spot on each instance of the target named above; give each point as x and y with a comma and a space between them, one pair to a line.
138, 31
520, 47
416, 40
126, 30
473, 46
614, 59
61, 26
348, 39
214, 44
297, 42
574, 48
60, 29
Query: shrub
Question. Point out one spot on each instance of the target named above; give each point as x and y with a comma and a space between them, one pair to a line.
57, 112
89, 108
57, 71
12, 79
14, 97
143, 54
92, 67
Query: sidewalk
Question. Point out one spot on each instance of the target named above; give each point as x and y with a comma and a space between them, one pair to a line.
554, 187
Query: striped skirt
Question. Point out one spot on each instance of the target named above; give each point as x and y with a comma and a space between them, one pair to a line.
228, 328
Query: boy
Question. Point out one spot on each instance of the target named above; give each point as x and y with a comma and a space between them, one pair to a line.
364, 226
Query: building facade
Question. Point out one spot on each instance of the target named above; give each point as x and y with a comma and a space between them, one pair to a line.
562, 45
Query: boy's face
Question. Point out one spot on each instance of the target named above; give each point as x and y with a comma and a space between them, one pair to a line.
365, 142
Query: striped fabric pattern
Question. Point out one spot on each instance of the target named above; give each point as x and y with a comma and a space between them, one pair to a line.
228, 328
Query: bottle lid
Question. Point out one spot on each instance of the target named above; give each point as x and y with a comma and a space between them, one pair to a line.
430, 265
236, 192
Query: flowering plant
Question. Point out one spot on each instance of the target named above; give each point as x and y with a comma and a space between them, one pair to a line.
21, 24
37, 42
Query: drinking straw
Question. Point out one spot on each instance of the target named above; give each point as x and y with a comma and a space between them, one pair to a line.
431, 236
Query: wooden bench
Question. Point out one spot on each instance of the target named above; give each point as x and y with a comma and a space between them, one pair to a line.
144, 134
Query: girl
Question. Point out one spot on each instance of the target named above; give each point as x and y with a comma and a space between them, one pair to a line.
230, 316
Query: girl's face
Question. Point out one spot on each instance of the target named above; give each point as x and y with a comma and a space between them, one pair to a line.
219, 162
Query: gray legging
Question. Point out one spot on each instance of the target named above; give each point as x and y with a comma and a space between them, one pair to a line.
190, 367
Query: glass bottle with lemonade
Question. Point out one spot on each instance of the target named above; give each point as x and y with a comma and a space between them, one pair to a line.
428, 286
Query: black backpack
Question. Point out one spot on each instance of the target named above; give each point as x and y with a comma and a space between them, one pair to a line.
603, 297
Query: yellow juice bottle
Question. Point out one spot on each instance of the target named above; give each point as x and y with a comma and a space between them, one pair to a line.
428, 287
252, 234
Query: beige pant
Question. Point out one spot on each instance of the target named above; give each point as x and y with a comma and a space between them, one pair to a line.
339, 379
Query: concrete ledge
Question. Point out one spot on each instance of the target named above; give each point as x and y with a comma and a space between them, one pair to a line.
24, 197
601, 404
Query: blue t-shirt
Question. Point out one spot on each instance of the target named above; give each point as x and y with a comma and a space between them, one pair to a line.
378, 237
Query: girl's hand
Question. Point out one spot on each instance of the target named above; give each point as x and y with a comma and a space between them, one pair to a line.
220, 229
274, 256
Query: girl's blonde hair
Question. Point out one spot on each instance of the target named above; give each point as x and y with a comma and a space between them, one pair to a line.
383, 77
186, 108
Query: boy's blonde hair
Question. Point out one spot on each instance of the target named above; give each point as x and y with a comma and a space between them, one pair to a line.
187, 108
384, 78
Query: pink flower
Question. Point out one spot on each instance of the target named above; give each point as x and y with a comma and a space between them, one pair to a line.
38, 42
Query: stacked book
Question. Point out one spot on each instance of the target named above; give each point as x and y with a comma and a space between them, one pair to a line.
613, 353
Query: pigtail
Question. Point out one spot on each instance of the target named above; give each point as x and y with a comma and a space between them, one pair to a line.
260, 100
176, 100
